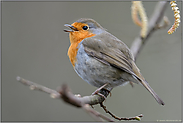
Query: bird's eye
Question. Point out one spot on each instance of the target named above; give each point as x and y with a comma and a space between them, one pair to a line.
85, 27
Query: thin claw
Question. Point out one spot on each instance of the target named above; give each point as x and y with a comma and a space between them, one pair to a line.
102, 95
97, 91
110, 93
131, 84
92, 106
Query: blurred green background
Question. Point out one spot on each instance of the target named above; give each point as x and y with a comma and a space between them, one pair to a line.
34, 46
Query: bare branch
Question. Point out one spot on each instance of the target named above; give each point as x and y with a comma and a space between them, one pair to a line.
65, 93
122, 118
96, 114
156, 17
68, 97
35, 86
166, 22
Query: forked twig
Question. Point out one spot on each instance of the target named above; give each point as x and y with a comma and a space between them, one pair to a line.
122, 118
155, 19
65, 94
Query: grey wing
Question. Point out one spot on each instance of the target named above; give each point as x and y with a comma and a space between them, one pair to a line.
108, 54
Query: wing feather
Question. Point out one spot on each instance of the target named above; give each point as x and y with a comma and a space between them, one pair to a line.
118, 56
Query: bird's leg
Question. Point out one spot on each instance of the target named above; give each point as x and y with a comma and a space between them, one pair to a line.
97, 91
131, 83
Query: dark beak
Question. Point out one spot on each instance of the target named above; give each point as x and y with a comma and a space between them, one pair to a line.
71, 27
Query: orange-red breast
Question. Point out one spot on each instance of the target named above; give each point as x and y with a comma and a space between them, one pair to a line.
98, 57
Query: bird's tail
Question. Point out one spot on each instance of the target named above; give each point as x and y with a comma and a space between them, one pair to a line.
141, 79
153, 93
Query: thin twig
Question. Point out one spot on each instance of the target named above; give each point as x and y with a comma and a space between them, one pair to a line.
96, 114
166, 22
122, 118
35, 86
65, 92
156, 17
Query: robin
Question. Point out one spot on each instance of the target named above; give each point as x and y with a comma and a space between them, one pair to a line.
101, 59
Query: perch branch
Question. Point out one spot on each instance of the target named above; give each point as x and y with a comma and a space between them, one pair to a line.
65, 93
83, 102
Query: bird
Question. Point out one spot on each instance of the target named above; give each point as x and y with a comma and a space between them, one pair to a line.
101, 59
